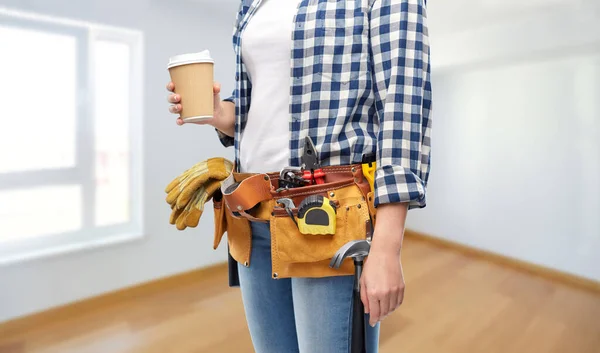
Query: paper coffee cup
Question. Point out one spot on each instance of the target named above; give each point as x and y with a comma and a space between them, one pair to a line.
193, 75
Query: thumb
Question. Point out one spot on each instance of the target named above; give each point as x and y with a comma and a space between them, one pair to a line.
217, 92
363, 295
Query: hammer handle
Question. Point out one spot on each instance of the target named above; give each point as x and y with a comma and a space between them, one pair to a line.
358, 343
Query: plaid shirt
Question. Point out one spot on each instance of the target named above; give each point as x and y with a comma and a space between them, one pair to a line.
359, 83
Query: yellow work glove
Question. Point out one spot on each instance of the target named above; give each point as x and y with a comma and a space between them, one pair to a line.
183, 187
196, 207
188, 193
180, 222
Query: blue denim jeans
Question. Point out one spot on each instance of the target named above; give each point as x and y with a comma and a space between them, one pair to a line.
303, 315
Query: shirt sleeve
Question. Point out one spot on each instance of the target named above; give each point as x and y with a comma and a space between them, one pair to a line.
399, 50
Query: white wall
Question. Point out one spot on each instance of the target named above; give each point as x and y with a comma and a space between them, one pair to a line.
516, 136
170, 27
516, 140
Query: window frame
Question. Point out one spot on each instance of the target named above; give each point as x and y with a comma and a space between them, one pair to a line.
83, 173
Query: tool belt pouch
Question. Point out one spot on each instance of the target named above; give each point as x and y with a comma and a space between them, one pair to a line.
238, 233
236, 196
253, 197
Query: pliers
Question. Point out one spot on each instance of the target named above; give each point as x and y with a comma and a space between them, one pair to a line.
311, 165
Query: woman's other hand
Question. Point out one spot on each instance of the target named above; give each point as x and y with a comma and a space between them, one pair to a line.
382, 280
176, 107
223, 114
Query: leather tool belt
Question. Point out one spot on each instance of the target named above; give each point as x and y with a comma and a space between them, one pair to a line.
252, 197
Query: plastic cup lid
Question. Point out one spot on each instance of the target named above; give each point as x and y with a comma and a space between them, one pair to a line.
190, 58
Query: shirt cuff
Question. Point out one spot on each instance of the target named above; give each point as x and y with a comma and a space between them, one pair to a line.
398, 184
226, 141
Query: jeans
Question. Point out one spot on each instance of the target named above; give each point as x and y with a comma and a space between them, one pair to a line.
304, 315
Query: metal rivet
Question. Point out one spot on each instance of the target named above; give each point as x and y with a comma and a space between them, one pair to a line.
347, 208
266, 177
358, 206
240, 208
275, 275
332, 194
246, 263
353, 170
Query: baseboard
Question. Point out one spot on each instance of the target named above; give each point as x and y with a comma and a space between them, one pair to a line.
15, 326
539, 270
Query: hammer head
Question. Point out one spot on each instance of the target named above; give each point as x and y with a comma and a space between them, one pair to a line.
286, 202
356, 249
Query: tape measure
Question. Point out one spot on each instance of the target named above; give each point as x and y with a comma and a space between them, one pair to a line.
316, 215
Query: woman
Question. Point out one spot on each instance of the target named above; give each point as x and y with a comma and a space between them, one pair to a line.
355, 76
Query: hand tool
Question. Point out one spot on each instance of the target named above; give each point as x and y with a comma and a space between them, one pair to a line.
317, 215
288, 204
311, 165
288, 178
358, 250
368, 168
285, 171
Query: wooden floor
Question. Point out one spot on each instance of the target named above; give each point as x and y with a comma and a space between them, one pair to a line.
454, 303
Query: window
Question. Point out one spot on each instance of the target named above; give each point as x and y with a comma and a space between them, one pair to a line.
70, 134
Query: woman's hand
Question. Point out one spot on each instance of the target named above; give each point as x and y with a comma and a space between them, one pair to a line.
223, 114
382, 284
382, 280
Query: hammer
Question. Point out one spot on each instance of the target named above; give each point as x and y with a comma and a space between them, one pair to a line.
357, 250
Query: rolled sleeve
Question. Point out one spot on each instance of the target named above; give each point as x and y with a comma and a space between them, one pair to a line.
399, 49
226, 141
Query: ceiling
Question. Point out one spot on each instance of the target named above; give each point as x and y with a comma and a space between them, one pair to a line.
446, 16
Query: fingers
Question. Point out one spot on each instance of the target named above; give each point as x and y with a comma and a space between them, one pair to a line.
393, 302
381, 304
384, 306
174, 98
217, 95
375, 309
363, 295
400, 297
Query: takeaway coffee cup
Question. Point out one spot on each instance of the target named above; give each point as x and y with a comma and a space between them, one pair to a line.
193, 75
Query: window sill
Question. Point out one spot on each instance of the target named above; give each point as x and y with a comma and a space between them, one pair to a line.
70, 248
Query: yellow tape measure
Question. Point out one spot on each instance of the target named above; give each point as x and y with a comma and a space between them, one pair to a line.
316, 215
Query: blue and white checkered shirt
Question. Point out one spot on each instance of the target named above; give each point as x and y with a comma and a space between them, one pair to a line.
359, 83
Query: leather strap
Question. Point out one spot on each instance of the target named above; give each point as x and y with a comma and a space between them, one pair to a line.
243, 191
243, 195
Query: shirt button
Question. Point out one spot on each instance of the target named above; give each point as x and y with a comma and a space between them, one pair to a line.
237, 77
